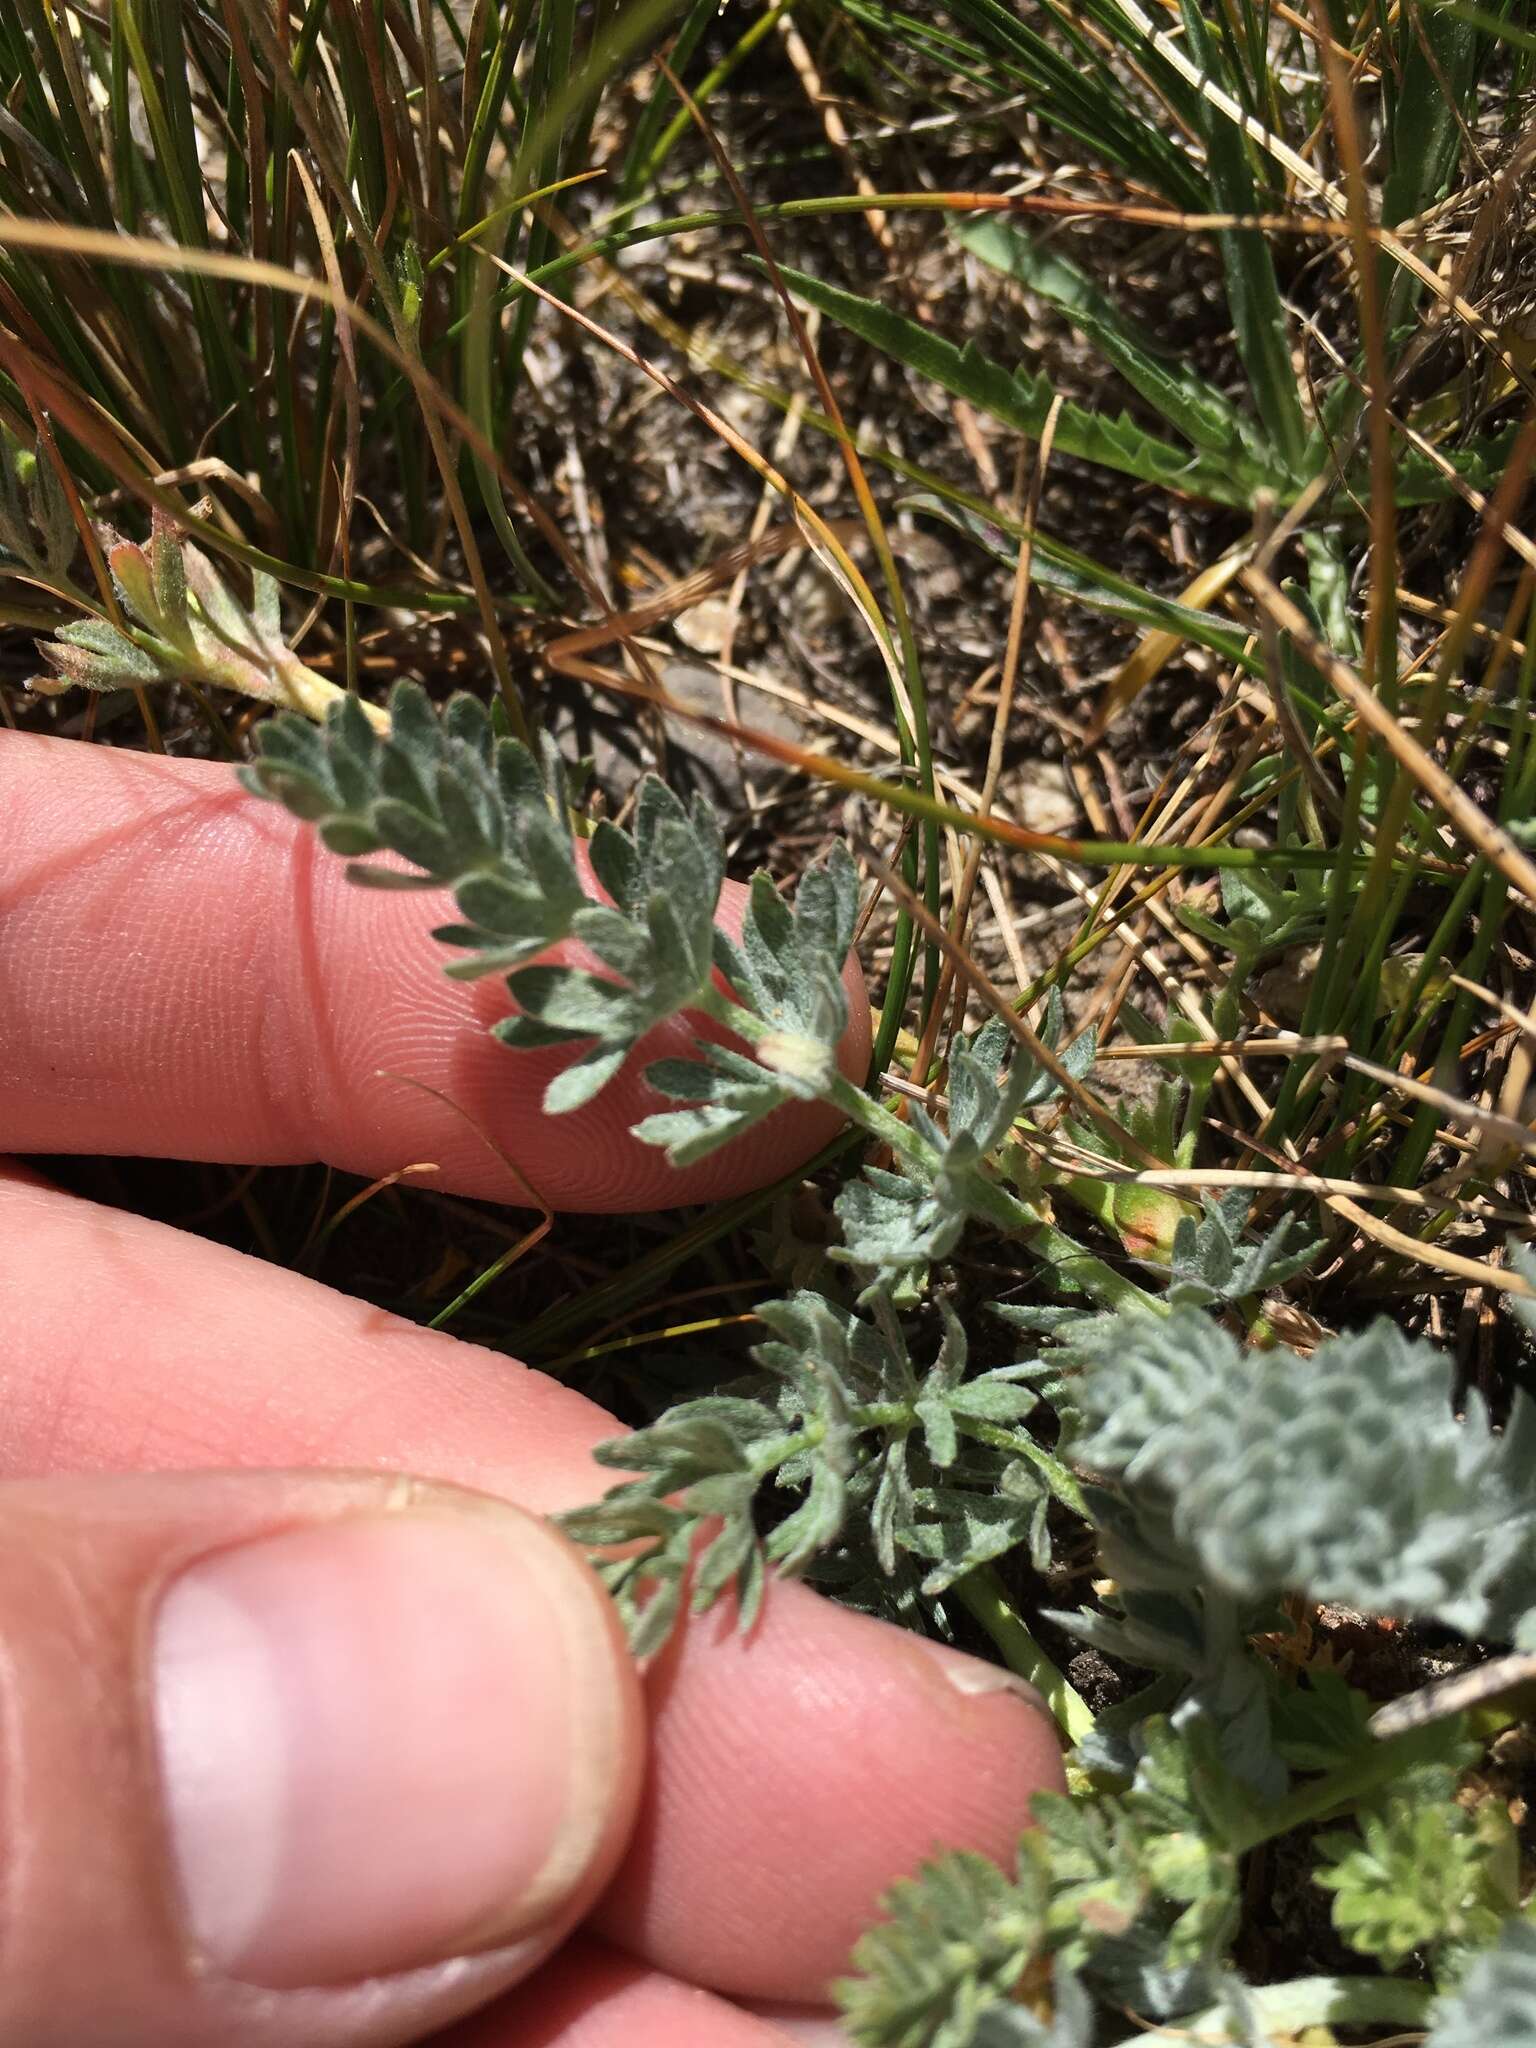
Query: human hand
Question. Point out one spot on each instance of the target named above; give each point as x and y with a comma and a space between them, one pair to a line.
297, 1752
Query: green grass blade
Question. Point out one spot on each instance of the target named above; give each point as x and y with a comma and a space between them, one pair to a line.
1018, 400
1192, 406
1253, 291
1078, 576
653, 118
1085, 101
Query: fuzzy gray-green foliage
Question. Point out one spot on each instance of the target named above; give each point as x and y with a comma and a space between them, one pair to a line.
935, 1465
469, 809
1495, 2006
892, 1222
787, 968
1134, 1896
1212, 1262
180, 616
1215, 1477
1344, 1476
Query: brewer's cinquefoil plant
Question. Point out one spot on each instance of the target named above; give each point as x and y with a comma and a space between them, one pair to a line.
1222, 1484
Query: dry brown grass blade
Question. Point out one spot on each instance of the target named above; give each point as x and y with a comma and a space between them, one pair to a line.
1001, 718
821, 535
688, 591
903, 670
341, 548
134, 466
1422, 1251
1156, 649
309, 126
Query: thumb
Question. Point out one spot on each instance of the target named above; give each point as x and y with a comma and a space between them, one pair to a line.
294, 1757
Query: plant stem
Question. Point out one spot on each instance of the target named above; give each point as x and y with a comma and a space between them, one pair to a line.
1077, 1270
1339, 1789
981, 1593
1285, 2009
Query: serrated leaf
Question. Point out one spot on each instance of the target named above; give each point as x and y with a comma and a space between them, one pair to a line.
854, 1433
892, 1223
953, 1943
1211, 1263
787, 969
1421, 1873
1190, 405
1019, 401
1144, 1885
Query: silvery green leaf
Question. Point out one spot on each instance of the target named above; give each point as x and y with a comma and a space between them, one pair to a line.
477, 814
894, 1506
788, 970
474, 812
959, 1529
993, 1398
818, 1520
112, 652
788, 963
730, 1094
1495, 2004
890, 1222
1344, 1476
1522, 1307
893, 1223
1144, 1884
854, 1428
1211, 1263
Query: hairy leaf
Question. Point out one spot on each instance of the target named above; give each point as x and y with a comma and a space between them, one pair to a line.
932, 1464
787, 970
953, 1944
1495, 2006
1211, 1264
1344, 1476
895, 1222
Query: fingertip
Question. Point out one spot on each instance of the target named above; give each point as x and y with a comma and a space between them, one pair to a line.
796, 1772
590, 1996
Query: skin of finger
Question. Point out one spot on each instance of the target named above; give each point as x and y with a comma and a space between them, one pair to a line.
808, 2026
592, 1996
92, 1941
186, 972
822, 1743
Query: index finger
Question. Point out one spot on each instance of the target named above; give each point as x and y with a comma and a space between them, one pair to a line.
186, 973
